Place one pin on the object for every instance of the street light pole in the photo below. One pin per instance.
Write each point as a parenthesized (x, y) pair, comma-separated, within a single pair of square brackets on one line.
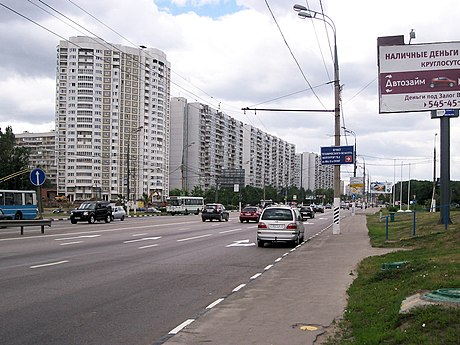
[(303, 13)]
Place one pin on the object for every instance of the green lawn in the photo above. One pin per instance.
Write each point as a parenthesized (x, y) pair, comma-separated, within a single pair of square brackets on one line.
[(432, 259)]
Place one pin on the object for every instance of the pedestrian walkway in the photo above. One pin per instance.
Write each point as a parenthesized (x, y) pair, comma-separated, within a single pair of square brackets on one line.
[(296, 301)]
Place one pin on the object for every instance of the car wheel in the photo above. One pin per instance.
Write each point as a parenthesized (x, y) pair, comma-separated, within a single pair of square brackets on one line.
[(220, 217), (18, 216), (73, 221), (108, 219), (226, 218), (92, 219), (260, 243), (242, 221), (122, 218), (203, 219)]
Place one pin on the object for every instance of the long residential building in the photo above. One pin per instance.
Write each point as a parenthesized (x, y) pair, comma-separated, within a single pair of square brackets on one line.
[(112, 120), (205, 143)]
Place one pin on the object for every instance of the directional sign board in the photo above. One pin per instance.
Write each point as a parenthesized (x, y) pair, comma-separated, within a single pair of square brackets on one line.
[(37, 177), (337, 155), (419, 77)]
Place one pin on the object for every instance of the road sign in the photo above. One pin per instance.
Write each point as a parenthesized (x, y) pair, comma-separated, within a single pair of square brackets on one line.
[(444, 113), (336, 155), (37, 177), (419, 77)]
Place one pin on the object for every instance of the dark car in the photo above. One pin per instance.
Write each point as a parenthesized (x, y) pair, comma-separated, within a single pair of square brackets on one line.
[(307, 212), (250, 213), (90, 211), (214, 211), (4, 216)]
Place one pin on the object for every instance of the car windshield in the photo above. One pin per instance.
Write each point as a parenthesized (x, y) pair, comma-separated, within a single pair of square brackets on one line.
[(87, 206), (250, 209), (277, 214)]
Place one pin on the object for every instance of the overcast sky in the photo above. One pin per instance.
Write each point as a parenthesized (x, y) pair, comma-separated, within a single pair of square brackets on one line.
[(246, 53)]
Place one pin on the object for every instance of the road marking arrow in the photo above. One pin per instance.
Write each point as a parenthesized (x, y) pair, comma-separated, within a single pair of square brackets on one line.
[(241, 243)]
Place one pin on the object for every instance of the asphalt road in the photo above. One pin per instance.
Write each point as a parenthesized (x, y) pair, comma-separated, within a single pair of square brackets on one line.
[(130, 282)]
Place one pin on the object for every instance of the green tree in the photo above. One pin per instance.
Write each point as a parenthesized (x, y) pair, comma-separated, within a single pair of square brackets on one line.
[(14, 159)]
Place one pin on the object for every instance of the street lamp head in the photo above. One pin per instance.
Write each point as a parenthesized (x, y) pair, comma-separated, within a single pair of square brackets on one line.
[(299, 8), (304, 15)]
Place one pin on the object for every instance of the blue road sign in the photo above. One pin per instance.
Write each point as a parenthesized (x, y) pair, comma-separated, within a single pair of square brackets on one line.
[(337, 155), (37, 177), (444, 113)]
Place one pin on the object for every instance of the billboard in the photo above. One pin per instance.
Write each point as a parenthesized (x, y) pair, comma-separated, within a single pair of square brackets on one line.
[(356, 186), (381, 187), (419, 77)]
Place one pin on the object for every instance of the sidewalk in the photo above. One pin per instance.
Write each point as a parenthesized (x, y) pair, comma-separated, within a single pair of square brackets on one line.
[(294, 302)]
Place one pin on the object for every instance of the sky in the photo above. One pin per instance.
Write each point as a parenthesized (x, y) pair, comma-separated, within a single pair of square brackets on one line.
[(235, 54)]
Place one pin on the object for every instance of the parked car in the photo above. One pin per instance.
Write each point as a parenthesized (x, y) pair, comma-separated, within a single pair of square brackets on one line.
[(4, 216), (280, 224), (214, 211), (90, 211), (118, 212), (250, 213), (307, 212), (58, 210), (328, 206)]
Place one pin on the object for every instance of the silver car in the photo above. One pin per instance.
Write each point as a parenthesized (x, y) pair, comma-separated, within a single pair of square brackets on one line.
[(280, 224), (118, 212)]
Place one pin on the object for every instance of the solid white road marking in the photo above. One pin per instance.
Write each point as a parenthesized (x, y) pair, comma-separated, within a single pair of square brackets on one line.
[(69, 243), (50, 264)]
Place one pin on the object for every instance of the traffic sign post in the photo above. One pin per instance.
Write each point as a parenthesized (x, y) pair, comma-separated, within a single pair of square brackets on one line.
[(37, 177)]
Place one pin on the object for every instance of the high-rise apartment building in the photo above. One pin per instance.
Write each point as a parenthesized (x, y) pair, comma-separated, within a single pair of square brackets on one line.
[(205, 141), (306, 170), (112, 120), (42, 152)]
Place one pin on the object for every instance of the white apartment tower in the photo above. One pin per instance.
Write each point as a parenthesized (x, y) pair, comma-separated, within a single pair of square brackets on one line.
[(205, 141), (112, 120)]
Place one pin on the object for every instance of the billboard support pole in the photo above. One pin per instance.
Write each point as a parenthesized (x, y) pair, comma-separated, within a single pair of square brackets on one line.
[(445, 170)]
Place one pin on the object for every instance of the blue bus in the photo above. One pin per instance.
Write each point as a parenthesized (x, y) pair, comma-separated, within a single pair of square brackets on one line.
[(21, 204)]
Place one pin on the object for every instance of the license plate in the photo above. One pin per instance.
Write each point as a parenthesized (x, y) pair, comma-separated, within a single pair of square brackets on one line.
[(277, 226)]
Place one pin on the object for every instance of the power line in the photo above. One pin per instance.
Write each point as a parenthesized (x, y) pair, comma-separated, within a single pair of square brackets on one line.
[(292, 54)]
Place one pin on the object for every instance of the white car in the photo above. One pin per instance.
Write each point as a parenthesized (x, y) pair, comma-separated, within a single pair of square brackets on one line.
[(118, 212), (280, 224)]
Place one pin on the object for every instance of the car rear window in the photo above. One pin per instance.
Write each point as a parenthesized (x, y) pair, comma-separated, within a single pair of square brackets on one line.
[(277, 214), (250, 209)]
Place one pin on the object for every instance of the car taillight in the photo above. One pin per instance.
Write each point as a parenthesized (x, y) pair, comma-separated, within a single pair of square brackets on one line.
[(262, 225), (292, 226)]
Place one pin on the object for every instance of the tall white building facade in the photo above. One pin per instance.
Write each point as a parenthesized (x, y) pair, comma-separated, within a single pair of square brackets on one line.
[(306, 170), (205, 141), (112, 120)]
